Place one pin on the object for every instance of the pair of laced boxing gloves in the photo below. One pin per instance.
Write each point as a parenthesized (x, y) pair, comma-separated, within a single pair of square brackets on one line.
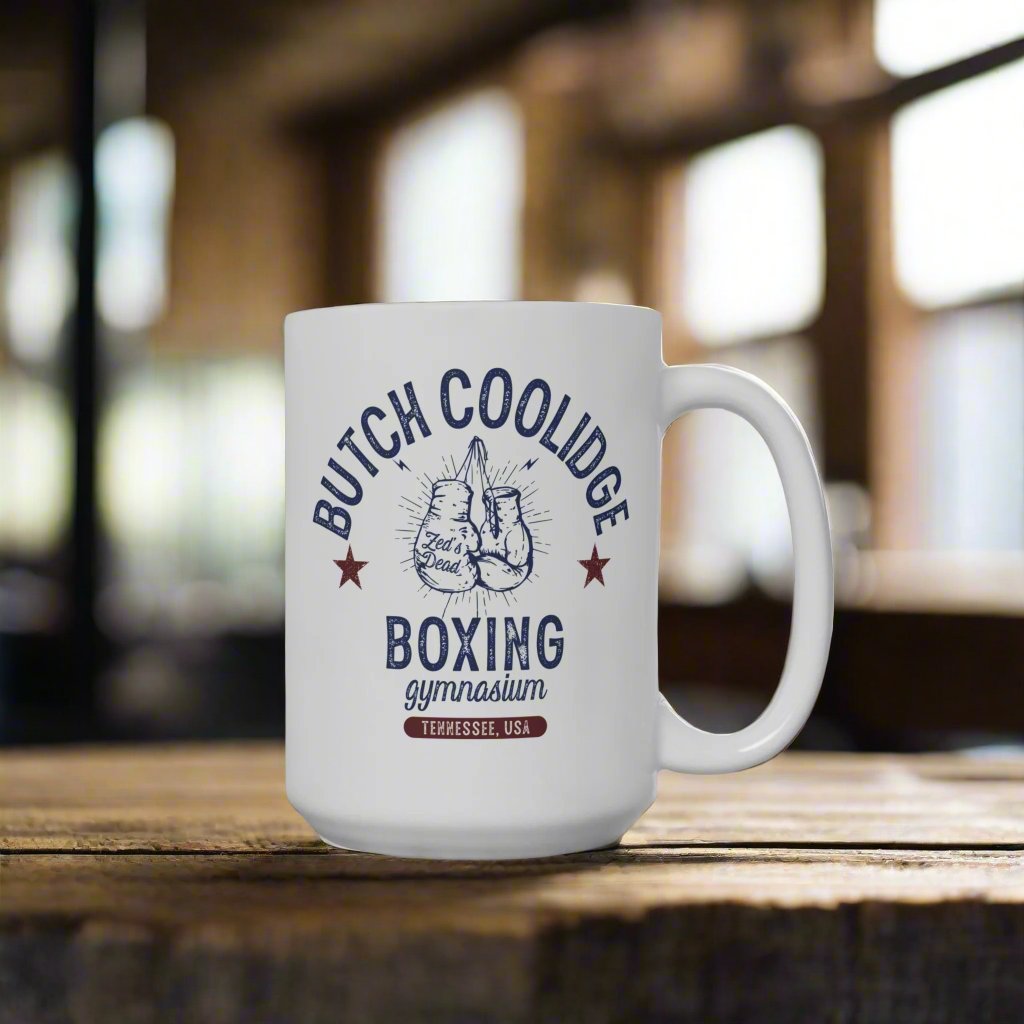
[(452, 555)]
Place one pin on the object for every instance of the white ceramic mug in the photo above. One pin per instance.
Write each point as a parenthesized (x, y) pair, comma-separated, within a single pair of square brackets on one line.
[(473, 497)]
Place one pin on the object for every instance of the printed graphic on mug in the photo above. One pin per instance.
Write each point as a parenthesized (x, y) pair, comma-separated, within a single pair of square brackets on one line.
[(476, 527), (470, 532)]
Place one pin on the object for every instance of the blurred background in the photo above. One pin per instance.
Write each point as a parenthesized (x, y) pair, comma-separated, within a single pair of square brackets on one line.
[(826, 193)]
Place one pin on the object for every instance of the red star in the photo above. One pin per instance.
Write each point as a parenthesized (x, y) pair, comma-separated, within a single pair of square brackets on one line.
[(595, 568), (350, 567)]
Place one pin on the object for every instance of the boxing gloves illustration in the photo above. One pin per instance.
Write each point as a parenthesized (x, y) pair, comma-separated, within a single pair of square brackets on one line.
[(452, 556), (447, 540), (506, 547)]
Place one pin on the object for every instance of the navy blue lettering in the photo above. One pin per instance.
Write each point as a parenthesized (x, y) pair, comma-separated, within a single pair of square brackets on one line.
[(406, 416), (556, 644), (598, 499), (519, 642), (327, 515), (466, 640), (528, 392), (602, 517), (385, 453), (442, 636), (596, 436), (446, 399), (485, 396), (399, 643)]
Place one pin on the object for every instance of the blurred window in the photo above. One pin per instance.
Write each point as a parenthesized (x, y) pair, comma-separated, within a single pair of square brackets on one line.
[(958, 172), (753, 246), (734, 522), (912, 36), (451, 203), (37, 275), (191, 491), (35, 465), (951, 527), (973, 430), (38, 267), (734, 526), (134, 183), (749, 278)]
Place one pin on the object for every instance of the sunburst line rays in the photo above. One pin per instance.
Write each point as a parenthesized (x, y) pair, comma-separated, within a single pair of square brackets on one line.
[(415, 508)]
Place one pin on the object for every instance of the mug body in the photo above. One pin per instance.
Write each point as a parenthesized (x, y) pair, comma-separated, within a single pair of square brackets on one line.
[(472, 554)]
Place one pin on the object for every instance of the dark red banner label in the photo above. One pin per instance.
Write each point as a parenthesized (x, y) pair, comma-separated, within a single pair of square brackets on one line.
[(528, 727)]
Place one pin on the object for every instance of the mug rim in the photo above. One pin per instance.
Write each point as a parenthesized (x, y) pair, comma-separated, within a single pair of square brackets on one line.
[(468, 302)]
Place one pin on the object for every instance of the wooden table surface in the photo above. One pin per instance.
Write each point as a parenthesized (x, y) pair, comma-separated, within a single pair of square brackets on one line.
[(176, 884)]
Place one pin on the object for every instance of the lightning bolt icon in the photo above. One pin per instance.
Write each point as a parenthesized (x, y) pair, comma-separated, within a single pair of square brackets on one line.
[(530, 464), (401, 465)]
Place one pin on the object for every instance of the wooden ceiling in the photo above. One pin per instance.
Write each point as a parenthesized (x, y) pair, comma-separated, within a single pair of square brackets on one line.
[(290, 57), (334, 56), (35, 46)]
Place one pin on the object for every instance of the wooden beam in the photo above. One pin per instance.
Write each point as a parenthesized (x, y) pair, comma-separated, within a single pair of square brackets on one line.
[(842, 331), (86, 368), (759, 109), (349, 236), (401, 87)]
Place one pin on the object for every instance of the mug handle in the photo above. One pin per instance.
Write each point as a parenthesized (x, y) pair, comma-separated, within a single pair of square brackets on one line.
[(683, 747)]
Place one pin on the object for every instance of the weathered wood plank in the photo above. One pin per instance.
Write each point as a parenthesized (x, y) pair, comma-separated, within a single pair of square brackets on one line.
[(344, 891), (231, 797), (168, 884), (631, 935)]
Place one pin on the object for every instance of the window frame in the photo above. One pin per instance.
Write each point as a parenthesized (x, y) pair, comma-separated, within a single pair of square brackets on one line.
[(868, 336)]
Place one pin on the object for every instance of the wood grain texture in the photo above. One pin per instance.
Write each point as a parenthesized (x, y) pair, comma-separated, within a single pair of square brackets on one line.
[(175, 883), (230, 797)]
